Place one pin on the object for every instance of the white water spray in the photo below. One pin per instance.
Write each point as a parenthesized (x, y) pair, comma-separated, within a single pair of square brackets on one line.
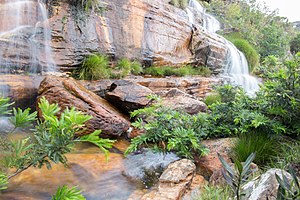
[(236, 70), (25, 37)]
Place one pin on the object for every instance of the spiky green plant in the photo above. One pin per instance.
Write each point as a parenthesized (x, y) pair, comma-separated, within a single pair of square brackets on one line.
[(288, 190), (237, 176), (95, 67)]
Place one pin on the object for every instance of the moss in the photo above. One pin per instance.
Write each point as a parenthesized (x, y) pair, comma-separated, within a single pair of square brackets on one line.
[(244, 46)]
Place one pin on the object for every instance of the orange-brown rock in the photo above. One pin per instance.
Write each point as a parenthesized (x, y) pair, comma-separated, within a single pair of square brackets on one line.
[(151, 31), (69, 93), (196, 86), (21, 89), (128, 96), (178, 100), (174, 181), (206, 165)]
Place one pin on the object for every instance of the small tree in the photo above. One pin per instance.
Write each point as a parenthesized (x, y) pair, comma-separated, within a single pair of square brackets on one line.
[(52, 138)]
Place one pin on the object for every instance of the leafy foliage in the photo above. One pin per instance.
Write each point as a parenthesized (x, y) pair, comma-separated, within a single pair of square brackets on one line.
[(169, 130), (279, 98), (4, 105), (52, 138), (287, 189), (212, 98), (236, 177), (258, 25), (3, 181), (65, 193), (295, 44)]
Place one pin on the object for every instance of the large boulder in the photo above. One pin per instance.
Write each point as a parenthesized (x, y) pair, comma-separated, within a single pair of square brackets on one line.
[(128, 96), (174, 181), (207, 165), (69, 93), (178, 100), (21, 89), (266, 186)]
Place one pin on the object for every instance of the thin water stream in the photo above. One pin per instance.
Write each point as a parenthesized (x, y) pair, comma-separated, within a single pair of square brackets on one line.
[(236, 70)]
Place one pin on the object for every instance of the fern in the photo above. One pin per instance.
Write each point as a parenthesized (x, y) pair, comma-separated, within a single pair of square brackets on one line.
[(4, 105), (21, 118), (65, 193)]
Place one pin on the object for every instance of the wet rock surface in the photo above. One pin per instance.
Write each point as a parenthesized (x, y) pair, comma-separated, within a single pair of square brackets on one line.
[(146, 166), (174, 181), (143, 30), (266, 186), (21, 89), (128, 96), (69, 93)]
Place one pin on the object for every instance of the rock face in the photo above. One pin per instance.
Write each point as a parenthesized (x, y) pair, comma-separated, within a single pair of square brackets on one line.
[(146, 166), (128, 96), (23, 90), (209, 164), (69, 93), (174, 181), (144, 30), (198, 87), (265, 187), (178, 100)]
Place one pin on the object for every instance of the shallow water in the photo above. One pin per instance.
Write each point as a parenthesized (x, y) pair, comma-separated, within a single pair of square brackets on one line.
[(88, 169)]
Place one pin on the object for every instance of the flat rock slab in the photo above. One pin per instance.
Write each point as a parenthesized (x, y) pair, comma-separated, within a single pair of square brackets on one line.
[(128, 96), (67, 92)]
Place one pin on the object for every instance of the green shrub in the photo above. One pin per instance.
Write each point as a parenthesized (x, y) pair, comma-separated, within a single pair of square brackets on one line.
[(264, 146), (136, 68), (212, 98), (52, 138), (288, 154), (168, 130), (124, 67), (154, 71), (295, 44), (214, 193), (177, 71), (203, 71), (94, 67)]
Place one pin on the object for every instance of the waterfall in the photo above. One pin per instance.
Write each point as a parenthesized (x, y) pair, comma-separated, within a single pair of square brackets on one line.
[(236, 70), (25, 37)]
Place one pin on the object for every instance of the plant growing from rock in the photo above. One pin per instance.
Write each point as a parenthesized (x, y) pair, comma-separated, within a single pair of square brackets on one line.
[(52, 138), (236, 177), (288, 190), (94, 67)]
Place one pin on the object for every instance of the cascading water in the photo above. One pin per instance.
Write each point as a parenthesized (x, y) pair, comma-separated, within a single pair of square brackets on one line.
[(236, 70), (24, 37)]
